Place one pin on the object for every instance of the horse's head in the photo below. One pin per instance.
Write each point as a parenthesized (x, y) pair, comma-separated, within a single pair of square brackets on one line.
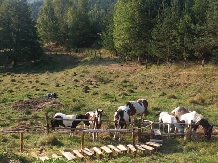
[(208, 128), (98, 114), (119, 118), (85, 119), (144, 102), (57, 121), (179, 111)]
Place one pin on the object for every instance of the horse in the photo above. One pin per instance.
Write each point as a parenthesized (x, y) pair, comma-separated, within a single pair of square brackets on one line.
[(178, 111), (60, 119), (95, 120), (137, 107), (121, 119), (198, 119), (170, 121)]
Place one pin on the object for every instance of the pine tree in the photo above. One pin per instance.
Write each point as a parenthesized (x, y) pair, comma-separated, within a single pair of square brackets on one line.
[(18, 32), (47, 23)]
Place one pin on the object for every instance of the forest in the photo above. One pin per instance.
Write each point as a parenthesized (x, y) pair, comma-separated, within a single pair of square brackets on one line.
[(148, 30)]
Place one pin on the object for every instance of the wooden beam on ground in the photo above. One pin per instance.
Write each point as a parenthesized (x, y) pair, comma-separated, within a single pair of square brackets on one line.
[(78, 154), (153, 144), (139, 147), (43, 158), (114, 148), (151, 149), (156, 141), (55, 156), (68, 155), (122, 148), (107, 150), (97, 151), (132, 149), (88, 152)]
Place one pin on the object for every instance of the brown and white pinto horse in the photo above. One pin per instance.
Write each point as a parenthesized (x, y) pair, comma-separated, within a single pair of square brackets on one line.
[(121, 119), (95, 120), (185, 116), (179, 111), (137, 107)]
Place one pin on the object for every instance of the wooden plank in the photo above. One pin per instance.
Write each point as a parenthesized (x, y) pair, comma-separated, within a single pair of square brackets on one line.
[(131, 148), (153, 144), (56, 156), (43, 158), (156, 141), (140, 147), (151, 149), (78, 154), (107, 150), (114, 148), (87, 151), (68, 155), (122, 148), (97, 150)]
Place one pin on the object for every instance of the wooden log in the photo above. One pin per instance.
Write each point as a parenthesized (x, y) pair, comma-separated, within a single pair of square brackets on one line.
[(140, 148), (87, 152), (151, 149), (43, 158), (69, 155), (107, 150), (97, 151), (55, 156), (153, 144), (78, 154), (21, 142), (156, 141), (132, 149), (122, 148), (114, 148)]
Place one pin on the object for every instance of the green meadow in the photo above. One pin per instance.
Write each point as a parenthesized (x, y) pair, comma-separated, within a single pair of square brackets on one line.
[(86, 82)]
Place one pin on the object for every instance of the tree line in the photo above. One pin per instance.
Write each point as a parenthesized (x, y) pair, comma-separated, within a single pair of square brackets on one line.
[(160, 30)]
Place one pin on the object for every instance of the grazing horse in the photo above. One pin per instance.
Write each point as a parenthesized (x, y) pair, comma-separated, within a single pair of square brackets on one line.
[(121, 119), (137, 107), (95, 120), (60, 119), (198, 119), (178, 111), (170, 121)]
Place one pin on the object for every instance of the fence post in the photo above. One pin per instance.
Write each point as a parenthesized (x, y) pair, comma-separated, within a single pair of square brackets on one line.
[(82, 141), (47, 123), (139, 130), (152, 127), (190, 130), (21, 142), (133, 137)]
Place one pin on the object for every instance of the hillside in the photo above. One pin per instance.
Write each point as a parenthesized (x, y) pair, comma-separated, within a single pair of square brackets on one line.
[(86, 82)]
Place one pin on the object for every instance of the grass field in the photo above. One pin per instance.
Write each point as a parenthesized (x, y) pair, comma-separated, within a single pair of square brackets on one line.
[(85, 82)]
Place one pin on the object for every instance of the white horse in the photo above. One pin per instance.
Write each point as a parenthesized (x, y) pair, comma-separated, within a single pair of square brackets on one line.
[(170, 121), (197, 119)]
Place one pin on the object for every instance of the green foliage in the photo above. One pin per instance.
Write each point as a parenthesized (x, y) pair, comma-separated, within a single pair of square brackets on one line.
[(19, 41)]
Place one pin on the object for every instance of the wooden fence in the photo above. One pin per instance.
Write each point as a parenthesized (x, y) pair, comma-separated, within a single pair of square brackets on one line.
[(144, 128)]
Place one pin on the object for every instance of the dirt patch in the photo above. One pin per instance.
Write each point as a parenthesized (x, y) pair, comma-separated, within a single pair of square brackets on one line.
[(36, 104)]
